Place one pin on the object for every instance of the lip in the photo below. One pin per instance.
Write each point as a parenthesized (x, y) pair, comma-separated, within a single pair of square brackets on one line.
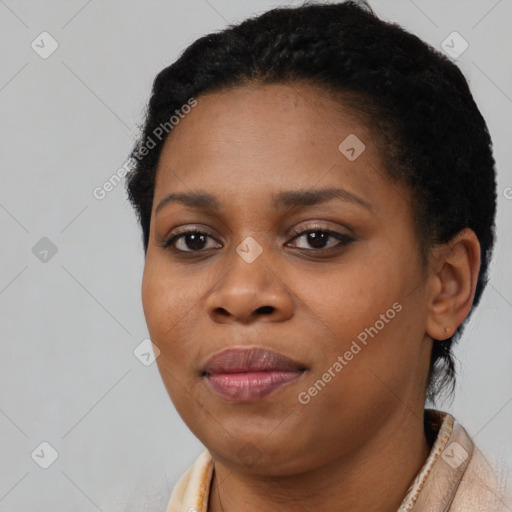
[(249, 374)]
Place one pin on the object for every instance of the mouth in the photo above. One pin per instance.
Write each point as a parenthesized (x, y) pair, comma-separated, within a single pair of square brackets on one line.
[(247, 375)]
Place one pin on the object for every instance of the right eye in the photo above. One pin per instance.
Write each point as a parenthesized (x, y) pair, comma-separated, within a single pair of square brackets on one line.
[(194, 239)]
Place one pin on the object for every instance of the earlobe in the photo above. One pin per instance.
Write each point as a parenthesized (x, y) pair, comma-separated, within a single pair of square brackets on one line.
[(453, 285)]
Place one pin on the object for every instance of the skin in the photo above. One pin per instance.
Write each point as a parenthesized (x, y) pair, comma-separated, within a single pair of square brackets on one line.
[(335, 452)]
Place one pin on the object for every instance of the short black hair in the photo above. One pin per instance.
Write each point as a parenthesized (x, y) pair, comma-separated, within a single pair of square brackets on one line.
[(431, 134)]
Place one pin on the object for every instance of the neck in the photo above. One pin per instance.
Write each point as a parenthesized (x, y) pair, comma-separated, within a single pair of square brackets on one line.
[(373, 479)]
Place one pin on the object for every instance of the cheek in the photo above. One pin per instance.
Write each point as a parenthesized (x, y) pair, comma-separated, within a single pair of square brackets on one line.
[(371, 320), (153, 301), (163, 302), (352, 297), (165, 311), (382, 358)]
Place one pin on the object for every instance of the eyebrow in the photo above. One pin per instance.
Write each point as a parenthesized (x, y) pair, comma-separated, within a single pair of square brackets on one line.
[(288, 199)]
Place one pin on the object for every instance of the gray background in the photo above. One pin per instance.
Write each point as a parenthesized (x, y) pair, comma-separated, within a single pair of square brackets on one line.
[(70, 324)]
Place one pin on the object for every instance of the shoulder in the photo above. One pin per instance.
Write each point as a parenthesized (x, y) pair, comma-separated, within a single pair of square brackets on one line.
[(463, 478), (483, 486), (456, 476), (191, 491)]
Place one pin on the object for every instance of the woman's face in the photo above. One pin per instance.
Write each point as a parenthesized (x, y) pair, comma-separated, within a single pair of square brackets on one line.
[(350, 306)]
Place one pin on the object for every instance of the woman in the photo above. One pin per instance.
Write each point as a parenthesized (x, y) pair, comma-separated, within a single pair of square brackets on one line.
[(316, 237)]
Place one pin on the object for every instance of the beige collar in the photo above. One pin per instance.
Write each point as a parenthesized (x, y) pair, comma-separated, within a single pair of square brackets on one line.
[(433, 489), (448, 459)]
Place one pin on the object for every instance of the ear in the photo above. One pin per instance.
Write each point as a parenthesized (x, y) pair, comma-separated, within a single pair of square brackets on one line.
[(452, 284)]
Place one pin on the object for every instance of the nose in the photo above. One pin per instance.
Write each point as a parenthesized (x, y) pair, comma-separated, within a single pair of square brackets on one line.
[(250, 292)]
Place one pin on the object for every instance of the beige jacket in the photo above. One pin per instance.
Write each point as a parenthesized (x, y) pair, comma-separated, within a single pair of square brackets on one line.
[(456, 477)]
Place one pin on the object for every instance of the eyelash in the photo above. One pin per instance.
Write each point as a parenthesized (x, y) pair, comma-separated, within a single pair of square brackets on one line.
[(343, 239)]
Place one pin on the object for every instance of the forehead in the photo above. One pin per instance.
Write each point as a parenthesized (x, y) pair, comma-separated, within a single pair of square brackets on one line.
[(260, 139)]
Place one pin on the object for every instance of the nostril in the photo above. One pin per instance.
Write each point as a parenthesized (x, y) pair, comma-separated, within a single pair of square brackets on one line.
[(265, 309)]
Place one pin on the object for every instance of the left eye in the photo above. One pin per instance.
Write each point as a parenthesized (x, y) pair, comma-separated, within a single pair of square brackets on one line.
[(319, 237)]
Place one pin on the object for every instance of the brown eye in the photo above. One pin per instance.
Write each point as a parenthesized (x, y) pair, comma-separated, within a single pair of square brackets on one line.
[(191, 241), (318, 239)]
